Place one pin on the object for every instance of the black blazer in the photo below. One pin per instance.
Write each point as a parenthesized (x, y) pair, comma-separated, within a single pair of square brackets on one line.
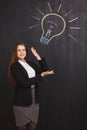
[(23, 96)]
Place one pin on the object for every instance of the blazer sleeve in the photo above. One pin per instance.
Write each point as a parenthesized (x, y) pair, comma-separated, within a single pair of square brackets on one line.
[(41, 67), (21, 77), (43, 64)]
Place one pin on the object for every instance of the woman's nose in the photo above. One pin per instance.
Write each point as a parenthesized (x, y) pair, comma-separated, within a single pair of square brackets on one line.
[(21, 51)]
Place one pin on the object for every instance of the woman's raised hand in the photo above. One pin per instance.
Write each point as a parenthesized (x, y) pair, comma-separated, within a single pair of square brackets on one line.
[(35, 53)]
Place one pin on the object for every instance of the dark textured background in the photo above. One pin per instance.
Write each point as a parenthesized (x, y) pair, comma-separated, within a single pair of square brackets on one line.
[(63, 97)]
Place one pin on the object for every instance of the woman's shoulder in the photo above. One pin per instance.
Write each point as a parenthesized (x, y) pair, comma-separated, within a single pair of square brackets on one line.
[(30, 62), (15, 64)]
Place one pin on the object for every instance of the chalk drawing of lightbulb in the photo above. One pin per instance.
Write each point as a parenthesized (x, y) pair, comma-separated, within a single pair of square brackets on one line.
[(52, 25)]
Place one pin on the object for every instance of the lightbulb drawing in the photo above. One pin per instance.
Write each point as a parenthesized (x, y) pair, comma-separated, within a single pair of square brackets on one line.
[(54, 24)]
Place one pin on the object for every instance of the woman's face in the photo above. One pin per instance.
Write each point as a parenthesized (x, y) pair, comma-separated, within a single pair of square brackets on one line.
[(21, 52)]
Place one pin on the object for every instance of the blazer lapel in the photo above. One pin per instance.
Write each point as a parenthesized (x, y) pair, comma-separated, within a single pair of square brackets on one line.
[(22, 69)]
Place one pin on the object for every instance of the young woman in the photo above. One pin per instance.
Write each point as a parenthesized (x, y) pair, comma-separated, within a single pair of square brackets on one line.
[(26, 75)]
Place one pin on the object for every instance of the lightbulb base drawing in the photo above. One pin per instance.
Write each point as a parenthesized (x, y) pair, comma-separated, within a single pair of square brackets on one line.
[(44, 40)]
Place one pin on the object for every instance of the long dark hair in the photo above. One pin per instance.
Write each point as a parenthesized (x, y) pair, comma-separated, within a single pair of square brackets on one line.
[(14, 59)]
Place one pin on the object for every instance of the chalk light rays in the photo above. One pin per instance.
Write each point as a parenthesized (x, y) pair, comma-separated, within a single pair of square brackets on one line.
[(72, 28), (33, 26), (74, 39), (65, 15), (59, 8), (70, 21), (68, 13), (75, 28), (38, 19), (50, 7)]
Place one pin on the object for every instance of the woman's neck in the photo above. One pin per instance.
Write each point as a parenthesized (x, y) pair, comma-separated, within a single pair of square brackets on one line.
[(22, 60)]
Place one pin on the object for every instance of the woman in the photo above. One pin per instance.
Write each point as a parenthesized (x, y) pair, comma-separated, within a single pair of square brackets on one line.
[(26, 75)]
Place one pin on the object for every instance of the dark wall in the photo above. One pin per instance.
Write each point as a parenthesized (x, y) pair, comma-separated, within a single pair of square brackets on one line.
[(63, 96)]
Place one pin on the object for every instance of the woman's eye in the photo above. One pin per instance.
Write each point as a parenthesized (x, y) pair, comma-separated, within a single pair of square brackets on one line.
[(20, 50)]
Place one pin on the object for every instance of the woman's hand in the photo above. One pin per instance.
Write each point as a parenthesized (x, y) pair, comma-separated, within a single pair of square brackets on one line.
[(35, 53), (47, 73)]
